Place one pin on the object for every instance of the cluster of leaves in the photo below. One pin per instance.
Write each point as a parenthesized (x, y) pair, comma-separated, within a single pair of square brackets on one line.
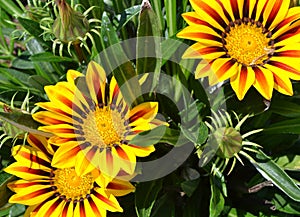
[(28, 63)]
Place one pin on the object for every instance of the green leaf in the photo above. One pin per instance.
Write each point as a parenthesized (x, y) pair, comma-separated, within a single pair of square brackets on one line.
[(148, 47), (10, 7), (114, 59), (160, 134), (128, 14), (44, 69), (22, 64), (164, 206), (34, 29), (190, 186), (217, 201), (5, 178), (20, 119), (239, 213), (49, 57), (285, 205), (145, 197), (285, 108), (15, 76), (289, 162), (271, 171), (171, 8), (284, 127)]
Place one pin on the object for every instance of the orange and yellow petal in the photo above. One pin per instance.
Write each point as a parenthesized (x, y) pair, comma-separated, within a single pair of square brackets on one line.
[(223, 69), (275, 12), (242, 81), (202, 34), (211, 12), (96, 81), (65, 156), (264, 82), (32, 195), (143, 113), (119, 187)]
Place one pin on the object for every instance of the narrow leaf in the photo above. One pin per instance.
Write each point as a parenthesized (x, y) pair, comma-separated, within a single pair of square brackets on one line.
[(284, 127), (145, 196), (20, 119), (217, 201), (161, 134), (272, 172)]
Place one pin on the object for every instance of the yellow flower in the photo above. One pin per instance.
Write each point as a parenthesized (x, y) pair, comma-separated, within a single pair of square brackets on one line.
[(252, 42), (50, 191), (93, 125)]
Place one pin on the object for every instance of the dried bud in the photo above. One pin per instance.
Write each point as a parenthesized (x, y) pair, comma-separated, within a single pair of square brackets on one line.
[(70, 24)]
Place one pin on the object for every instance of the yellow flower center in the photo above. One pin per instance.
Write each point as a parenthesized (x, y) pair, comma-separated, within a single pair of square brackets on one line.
[(104, 127), (71, 185), (247, 44)]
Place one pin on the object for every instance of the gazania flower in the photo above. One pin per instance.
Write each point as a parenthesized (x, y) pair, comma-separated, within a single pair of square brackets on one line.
[(49, 191), (252, 42), (93, 125), (226, 143)]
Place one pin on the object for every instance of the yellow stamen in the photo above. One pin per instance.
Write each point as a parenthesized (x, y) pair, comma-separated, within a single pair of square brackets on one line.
[(71, 185), (104, 127), (247, 44)]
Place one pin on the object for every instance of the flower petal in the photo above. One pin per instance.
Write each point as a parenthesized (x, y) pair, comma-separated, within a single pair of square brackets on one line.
[(264, 82), (120, 187), (143, 113), (275, 12), (211, 12), (200, 51), (223, 69), (96, 81), (202, 34), (242, 81)]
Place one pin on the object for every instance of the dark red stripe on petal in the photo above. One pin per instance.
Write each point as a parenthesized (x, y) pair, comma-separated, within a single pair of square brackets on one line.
[(82, 209), (91, 153), (211, 12), (84, 145), (243, 77), (117, 186), (288, 53), (235, 9), (273, 13), (53, 207), (261, 17), (34, 158), (35, 194), (288, 34), (137, 115), (285, 22), (281, 83), (104, 199), (31, 171), (208, 50), (225, 67), (29, 184), (253, 15), (121, 153), (246, 8), (284, 67), (225, 11), (260, 78), (203, 36), (65, 210), (39, 144), (94, 207)]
